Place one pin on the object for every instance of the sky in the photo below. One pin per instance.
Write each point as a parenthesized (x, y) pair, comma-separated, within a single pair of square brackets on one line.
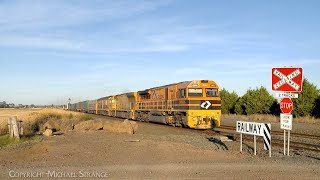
[(51, 51)]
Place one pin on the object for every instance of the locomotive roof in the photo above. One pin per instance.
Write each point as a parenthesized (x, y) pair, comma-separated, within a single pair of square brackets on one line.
[(146, 90)]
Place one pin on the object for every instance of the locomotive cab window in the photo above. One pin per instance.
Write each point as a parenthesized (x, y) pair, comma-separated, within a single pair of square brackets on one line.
[(182, 93), (211, 92), (195, 92)]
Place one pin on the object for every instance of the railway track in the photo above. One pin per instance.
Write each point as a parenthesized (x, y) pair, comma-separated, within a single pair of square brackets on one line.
[(279, 142)]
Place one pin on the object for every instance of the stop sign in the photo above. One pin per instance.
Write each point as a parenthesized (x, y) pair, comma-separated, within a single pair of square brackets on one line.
[(286, 105)]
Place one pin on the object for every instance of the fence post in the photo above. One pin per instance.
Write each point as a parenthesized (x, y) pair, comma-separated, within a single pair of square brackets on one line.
[(9, 125), (20, 128), (15, 130)]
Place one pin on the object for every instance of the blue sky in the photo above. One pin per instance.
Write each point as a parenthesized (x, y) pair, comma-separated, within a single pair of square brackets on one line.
[(53, 50)]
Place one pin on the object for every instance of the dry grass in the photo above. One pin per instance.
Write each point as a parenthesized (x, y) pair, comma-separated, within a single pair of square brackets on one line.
[(33, 119), (269, 118), (7, 112)]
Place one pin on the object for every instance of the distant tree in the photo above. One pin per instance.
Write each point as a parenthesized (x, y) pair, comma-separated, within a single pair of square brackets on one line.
[(3, 104), (228, 101), (316, 109), (275, 108), (239, 107), (255, 101), (305, 104)]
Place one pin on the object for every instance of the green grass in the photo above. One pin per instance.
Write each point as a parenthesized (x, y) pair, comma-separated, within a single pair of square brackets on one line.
[(5, 140)]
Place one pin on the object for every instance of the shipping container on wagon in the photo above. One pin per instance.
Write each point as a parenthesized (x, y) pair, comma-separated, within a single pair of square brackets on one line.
[(92, 106), (78, 108), (84, 107), (72, 107)]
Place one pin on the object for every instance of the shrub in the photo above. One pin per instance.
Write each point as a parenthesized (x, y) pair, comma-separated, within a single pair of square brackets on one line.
[(255, 101), (228, 101), (306, 104), (239, 107), (275, 108), (316, 109)]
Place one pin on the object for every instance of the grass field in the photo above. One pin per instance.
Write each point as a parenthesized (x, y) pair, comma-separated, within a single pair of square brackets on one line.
[(33, 119)]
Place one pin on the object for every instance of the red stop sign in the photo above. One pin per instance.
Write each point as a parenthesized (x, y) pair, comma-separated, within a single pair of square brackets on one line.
[(286, 105)]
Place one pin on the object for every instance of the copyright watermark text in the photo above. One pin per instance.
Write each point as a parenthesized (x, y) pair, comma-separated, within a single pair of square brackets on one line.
[(57, 174)]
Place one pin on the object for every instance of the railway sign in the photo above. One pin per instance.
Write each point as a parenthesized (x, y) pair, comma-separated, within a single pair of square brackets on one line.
[(286, 105), (286, 121), (255, 129), (250, 128), (286, 95), (287, 79)]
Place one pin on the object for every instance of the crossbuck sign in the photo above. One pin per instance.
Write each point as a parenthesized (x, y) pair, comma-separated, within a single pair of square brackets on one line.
[(287, 79)]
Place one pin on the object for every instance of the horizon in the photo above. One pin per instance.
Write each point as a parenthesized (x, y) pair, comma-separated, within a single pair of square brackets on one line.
[(53, 51)]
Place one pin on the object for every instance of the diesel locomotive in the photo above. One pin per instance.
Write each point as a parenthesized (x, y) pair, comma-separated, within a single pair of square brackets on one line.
[(195, 104)]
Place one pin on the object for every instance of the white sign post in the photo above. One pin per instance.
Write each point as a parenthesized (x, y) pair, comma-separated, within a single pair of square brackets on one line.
[(286, 125), (255, 129)]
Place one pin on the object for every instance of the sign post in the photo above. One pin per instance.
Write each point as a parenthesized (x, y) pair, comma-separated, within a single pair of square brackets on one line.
[(255, 129), (284, 142), (286, 125), (288, 154), (289, 82)]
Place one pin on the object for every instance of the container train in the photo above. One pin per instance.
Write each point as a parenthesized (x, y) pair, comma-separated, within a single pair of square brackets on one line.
[(194, 104)]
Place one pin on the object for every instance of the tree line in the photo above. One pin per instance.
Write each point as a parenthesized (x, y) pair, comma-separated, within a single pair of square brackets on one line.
[(259, 101)]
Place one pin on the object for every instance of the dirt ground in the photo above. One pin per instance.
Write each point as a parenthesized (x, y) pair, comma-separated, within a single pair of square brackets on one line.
[(155, 152)]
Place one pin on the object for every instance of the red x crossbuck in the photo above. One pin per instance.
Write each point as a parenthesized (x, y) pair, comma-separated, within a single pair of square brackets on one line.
[(287, 79)]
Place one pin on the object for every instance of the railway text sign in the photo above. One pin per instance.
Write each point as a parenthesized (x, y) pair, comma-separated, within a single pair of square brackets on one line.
[(251, 128), (286, 121), (288, 79), (255, 129), (286, 105), (286, 95)]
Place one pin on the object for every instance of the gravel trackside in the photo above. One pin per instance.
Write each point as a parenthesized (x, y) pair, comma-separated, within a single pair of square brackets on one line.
[(154, 152)]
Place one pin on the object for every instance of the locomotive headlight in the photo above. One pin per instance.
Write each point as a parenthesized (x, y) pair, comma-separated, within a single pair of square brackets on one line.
[(194, 85)]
